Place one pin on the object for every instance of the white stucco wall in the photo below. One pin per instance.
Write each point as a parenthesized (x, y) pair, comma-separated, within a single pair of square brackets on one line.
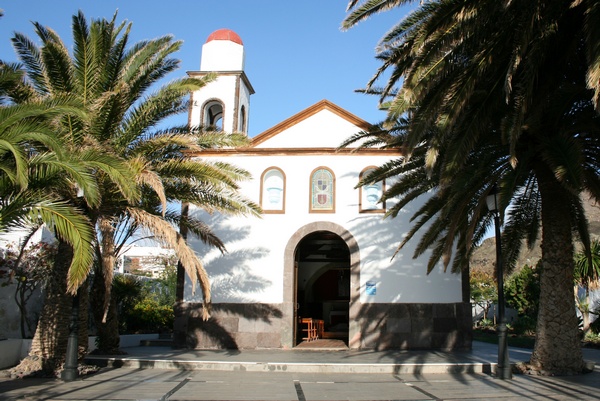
[(244, 101), (15, 236), (323, 129), (222, 88), (252, 270), (222, 55)]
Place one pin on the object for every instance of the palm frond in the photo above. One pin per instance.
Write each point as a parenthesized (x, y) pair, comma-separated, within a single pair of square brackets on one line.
[(367, 9), (71, 227), (30, 56)]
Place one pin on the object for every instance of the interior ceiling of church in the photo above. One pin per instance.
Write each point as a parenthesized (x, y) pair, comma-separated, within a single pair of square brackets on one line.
[(323, 247)]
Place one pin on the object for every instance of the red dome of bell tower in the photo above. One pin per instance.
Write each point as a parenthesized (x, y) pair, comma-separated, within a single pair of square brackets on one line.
[(225, 34)]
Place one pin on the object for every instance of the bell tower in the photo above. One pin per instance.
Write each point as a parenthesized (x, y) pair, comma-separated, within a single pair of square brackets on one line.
[(223, 103)]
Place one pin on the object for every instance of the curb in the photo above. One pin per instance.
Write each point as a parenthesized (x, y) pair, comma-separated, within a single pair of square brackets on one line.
[(138, 363)]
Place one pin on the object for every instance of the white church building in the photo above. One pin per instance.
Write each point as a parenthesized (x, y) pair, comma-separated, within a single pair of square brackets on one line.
[(321, 254)]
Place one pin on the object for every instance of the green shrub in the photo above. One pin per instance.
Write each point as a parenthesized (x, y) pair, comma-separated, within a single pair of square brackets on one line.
[(524, 325), (522, 291), (595, 326), (144, 305), (149, 316), (483, 291), (593, 338)]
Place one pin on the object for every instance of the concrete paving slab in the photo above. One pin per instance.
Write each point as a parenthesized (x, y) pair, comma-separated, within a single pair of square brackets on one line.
[(520, 387), (360, 391), (226, 390), (117, 391), (178, 383), (166, 385)]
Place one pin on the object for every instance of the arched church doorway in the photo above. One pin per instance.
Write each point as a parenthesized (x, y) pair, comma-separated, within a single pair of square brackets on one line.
[(322, 286)]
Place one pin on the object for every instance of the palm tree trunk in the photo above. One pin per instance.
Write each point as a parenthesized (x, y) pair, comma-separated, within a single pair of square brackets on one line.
[(108, 340), (585, 311), (557, 347), (105, 307), (49, 344)]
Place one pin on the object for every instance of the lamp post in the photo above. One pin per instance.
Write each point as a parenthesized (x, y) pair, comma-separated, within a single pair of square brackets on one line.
[(70, 371), (503, 370)]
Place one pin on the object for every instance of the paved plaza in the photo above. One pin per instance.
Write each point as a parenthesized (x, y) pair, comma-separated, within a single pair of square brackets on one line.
[(285, 375)]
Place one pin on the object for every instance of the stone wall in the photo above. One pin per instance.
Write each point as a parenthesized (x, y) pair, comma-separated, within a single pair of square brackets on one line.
[(376, 326), (413, 326), (231, 326)]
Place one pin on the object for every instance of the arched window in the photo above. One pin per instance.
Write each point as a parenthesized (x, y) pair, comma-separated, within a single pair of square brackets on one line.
[(243, 119), (369, 195), (213, 114), (272, 191), (322, 191)]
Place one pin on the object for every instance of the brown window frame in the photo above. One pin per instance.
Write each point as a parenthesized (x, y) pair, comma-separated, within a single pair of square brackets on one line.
[(262, 182), (380, 209)]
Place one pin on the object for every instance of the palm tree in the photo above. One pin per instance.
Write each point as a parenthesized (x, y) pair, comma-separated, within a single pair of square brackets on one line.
[(34, 170), (209, 186), (587, 276), (33, 165), (487, 105), (113, 82)]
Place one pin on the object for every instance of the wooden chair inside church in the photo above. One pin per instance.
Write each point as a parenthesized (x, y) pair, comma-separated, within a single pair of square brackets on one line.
[(320, 327), (308, 328), (312, 329)]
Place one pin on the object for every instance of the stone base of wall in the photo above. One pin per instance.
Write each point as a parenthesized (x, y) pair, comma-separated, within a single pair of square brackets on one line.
[(412, 326), (231, 326), (372, 326)]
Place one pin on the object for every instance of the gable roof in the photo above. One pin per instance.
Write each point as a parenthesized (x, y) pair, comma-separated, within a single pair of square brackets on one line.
[(316, 130), (305, 115)]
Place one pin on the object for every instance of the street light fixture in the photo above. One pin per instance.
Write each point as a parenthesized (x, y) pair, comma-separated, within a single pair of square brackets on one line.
[(503, 370)]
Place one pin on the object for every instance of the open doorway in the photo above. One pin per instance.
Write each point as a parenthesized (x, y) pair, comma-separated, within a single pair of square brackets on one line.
[(322, 285)]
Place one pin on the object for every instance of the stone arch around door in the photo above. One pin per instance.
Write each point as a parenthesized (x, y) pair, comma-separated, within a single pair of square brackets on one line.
[(289, 282)]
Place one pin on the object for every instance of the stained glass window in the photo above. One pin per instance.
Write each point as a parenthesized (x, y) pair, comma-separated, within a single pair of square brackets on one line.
[(322, 190)]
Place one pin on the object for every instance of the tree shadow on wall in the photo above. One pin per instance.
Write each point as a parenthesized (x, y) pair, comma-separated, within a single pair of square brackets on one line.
[(235, 285), (216, 331), (232, 277), (409, 334)]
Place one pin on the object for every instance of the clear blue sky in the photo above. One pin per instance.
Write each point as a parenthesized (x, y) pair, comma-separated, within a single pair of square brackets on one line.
[(296, 53)]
